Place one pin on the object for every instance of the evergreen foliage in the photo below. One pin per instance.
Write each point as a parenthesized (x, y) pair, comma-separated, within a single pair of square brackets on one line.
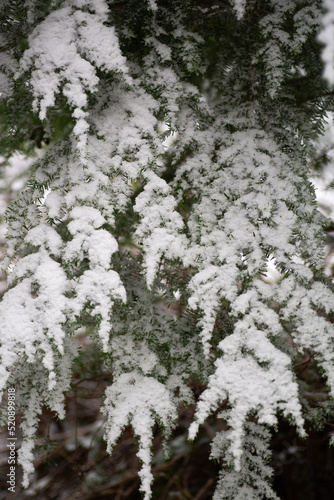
[(177, 137)]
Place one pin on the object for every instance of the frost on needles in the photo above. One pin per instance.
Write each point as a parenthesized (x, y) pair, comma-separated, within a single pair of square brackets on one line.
[(201, 216)]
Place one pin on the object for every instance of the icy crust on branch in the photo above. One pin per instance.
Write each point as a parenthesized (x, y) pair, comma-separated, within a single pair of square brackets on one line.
[(141, 401), (251, 481), (64, 52)]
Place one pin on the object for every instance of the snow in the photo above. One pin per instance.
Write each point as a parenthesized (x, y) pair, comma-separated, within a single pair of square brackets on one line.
[(65, 51), (25, 327), (140, 400), (239, 6), (235, 199), (97, 288), (326, 37), (248, 386)]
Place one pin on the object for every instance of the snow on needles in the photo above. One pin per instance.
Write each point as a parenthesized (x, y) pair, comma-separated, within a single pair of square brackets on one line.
[(230, 190), (64, 52), (138, 400)]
